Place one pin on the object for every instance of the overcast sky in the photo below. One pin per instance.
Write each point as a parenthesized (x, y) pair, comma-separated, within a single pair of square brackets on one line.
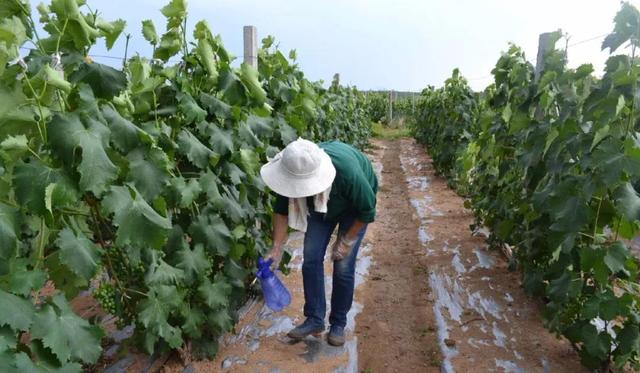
[(388, 44)]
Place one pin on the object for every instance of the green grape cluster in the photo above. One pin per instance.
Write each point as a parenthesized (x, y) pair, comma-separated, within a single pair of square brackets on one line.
[(106, 296), (122, 264)]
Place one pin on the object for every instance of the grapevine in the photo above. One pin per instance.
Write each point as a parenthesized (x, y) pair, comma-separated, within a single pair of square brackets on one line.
[(145, 177), (550, 165)]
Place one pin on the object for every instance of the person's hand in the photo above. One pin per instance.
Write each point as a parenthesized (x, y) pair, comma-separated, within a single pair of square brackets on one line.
[(342, 247), (276, 254)]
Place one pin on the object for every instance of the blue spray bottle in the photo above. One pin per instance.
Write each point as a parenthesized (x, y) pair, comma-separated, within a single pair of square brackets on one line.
[(276, 295)]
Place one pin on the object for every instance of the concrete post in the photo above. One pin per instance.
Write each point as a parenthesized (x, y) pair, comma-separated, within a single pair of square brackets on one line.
[(545, 44), (390, 108), (251, 46)]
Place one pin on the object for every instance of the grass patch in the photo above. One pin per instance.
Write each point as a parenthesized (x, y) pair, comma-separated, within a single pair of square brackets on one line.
[(383, 132)]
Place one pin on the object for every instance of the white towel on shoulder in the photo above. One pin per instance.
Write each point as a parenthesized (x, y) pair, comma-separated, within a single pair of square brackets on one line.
[(298, 209)]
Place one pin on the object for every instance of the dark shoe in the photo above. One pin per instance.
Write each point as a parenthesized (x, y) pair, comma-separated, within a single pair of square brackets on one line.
[(305, 329), (336, 336)]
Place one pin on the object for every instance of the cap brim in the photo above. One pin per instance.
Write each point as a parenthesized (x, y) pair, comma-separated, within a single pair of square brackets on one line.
[(282, 182)]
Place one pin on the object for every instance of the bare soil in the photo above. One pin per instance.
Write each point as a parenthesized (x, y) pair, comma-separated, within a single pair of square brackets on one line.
[(396, 331)]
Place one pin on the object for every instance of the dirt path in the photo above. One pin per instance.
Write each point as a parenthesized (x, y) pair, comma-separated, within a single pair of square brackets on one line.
[(485, 323), (429, 296), (396, 331)]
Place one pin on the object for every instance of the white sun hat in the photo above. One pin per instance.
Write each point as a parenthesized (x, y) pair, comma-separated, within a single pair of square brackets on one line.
[(302, 169)]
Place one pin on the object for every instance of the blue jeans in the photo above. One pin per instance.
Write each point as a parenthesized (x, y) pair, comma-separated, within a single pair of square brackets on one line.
[(315, 245)]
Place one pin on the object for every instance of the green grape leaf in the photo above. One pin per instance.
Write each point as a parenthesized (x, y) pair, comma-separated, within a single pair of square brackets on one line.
[(8, 361), (85, 100), (216, 294), (13, 143), (170, 44), (8, 339), (239, 231), (44, 361), (23, 280), (250, 78), (591, 258), (15, 312), (67, 132), (231, 87), (14, 8), (558, 288), (9, 228), (191, 110), (161, 273), (63, 278), (78, 253), (221, 141), (175, 9), (81, 33), (229, 206), (169, 295), (207, 58), (12, 35), (148, 171), (153, 313), (612, 163), (591, 308), (629, 339), (286, 132), (67, 335), (193, 320), (260, 126), (202, 31), (216, 107), (220, 320), (211, 231), (60, 193), (194, 262), (236, 175), (16, 115), (237, 251), (616, 257), (125, 134), (138, 224), (249, 161), (105, 81), (111, 30), (247, 136), (506, 113), (187, 191), (570, 213), (149, 31), (628, 201), (235, 273), (197, 153), (551, 137), (597, 344), (12, 30), (626, 24), (610, 307), (31, 181), (600, 135), (209, 183)]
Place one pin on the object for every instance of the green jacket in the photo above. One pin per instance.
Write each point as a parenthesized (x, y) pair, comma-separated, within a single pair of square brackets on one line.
[(353, 190)]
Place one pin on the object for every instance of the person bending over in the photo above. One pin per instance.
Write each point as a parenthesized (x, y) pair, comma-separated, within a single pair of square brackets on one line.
[(318, 188)]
